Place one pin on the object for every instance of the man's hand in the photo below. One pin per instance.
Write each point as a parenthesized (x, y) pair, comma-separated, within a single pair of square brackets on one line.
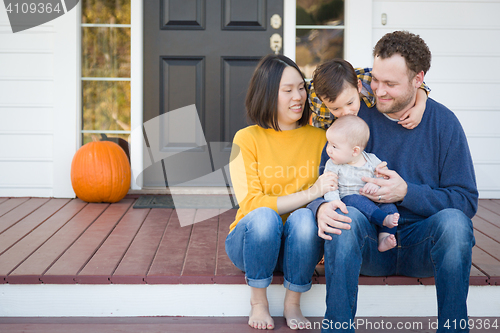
[(329, 221), (392, 189)]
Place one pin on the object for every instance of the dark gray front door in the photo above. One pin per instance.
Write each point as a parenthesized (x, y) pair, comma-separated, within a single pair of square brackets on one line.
[(201, 52)]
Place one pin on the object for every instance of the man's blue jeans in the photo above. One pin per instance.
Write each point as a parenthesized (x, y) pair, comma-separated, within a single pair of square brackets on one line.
[(439, 246), (260, 244)]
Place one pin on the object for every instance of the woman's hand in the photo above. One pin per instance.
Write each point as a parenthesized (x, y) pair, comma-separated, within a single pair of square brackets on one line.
[(325, 183)]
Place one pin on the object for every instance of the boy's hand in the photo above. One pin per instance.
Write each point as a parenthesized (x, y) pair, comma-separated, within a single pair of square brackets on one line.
[(413, 116)]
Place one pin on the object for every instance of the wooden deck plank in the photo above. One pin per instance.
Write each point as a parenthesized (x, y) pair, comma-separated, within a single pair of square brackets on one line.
[(10, 204), (169, 259), (137, 261), (214, 324), (104, 262), (226, 272), (488, 245), (486, 264), (199, 266), (144, 325), (32, 269), (488, 211), (3, 200), (20, 212), (16, 254), (487, 228), (29, 223), (491, 204), (65, 269)]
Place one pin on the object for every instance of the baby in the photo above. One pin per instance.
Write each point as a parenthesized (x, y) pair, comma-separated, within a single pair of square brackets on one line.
[(347, 138)]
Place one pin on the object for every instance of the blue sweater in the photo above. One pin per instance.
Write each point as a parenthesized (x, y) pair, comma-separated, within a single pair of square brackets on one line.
[(434, 160)]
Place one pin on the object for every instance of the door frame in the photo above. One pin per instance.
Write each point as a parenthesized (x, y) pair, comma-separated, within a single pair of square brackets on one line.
[(357, 50)]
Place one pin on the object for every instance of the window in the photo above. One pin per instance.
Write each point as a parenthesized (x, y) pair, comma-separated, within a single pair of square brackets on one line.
[(319, 33), (106, 51)]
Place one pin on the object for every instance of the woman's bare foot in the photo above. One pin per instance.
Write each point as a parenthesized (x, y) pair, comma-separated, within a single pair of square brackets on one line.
[(260, 318), (391, 220), (386, 241), (292, 313)]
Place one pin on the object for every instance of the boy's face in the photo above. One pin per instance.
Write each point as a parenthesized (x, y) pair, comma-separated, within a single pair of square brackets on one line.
[(338, 149), (347, 102)]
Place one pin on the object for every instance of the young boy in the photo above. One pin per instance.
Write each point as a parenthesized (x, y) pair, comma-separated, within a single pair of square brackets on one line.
[(347, 138), (330, 81)]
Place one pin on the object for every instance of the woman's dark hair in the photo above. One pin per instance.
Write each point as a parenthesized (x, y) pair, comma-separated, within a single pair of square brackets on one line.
[(262, 97), (330, 78)]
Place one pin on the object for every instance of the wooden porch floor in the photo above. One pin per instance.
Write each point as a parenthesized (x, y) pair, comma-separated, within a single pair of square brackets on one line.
[(201, 324), (68, 241)]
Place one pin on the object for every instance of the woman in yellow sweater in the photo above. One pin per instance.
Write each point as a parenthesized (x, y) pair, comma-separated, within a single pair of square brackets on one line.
[(274, 172)]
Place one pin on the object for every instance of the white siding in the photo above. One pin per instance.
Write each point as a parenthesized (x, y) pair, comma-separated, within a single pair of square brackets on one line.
[(463, 37), (38, 71)]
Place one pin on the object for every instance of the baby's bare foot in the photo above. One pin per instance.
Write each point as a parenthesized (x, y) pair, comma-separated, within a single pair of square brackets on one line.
[(391, 220), (260, 318), (386, 243)]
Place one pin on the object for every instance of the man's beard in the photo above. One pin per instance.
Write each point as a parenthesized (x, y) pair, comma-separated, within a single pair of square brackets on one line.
[(398, 104)]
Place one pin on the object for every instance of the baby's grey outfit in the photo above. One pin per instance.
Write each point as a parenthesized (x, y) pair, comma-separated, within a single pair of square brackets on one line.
[(350, 176)]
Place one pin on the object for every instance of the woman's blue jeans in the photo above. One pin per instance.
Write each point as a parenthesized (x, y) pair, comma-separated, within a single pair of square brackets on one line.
[(439, 246), (260, 244)]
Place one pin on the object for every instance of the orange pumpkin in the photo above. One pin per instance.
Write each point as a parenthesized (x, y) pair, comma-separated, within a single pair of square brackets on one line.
[(100, 172)]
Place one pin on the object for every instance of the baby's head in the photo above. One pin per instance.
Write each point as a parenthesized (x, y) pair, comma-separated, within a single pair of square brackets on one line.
[(338, 87), (347, 138)]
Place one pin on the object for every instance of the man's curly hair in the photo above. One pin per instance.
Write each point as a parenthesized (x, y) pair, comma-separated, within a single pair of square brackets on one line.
[(413, 48)]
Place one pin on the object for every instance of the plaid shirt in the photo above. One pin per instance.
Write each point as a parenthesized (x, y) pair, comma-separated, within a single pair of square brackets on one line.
[(321, 116)]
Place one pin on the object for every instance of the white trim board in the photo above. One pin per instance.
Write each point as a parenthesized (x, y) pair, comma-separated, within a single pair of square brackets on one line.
[(220, 300), (67, 107), (136, 87)]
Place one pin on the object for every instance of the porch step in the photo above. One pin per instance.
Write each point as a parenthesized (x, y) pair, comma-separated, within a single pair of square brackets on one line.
[(215, 325), (225, 300), (64, 257)]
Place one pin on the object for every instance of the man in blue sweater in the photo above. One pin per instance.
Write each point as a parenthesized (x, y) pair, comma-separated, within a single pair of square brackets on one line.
[(431, 180)]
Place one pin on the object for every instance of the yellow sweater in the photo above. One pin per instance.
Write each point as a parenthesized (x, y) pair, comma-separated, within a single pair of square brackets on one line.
[(266, 164)]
